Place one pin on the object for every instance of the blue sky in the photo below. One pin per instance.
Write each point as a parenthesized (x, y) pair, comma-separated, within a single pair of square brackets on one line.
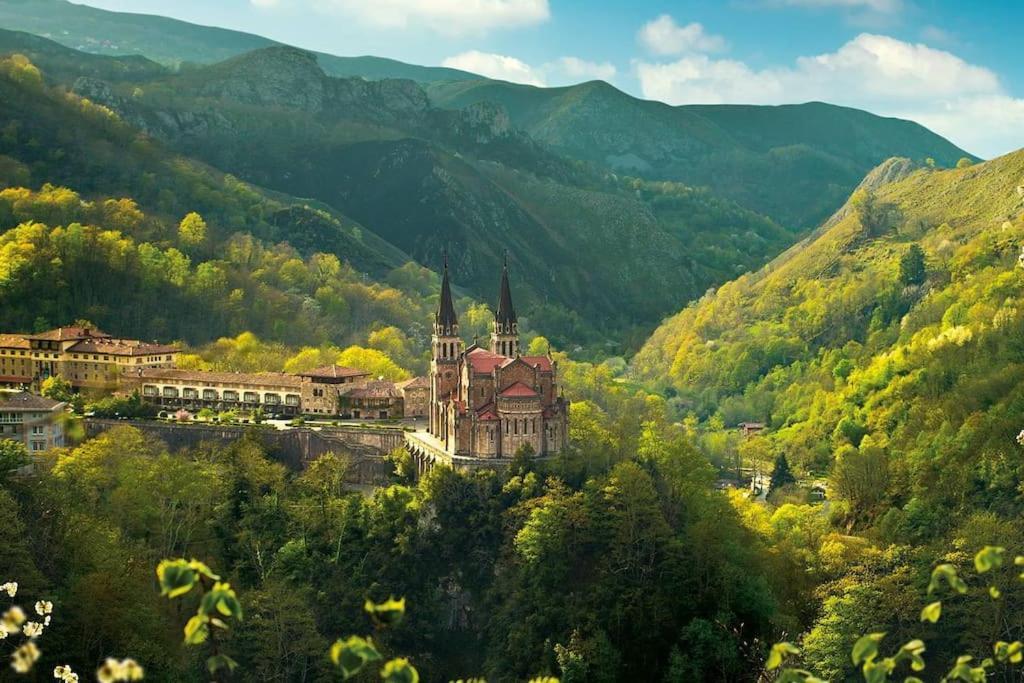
[(953, 66)]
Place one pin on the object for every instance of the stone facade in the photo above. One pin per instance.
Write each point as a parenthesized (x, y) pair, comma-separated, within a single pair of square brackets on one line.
[(33, 420), (494, 402), (416, 396), (87, 358)]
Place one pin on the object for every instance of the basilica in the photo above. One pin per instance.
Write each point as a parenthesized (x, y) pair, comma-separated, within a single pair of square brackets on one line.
[(492, 402)]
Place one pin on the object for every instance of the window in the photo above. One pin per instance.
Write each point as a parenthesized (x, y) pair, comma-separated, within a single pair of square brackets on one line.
[(230, 395), (252, 397), (38, 430), (209, 394), (170, 392), (38, 446), (189, 392), (149, 390)]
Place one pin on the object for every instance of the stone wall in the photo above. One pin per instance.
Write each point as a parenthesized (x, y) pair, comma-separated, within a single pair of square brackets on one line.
[(295, 448)]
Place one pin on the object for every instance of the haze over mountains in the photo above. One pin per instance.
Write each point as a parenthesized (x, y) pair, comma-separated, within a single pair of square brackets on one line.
[(617, 210)]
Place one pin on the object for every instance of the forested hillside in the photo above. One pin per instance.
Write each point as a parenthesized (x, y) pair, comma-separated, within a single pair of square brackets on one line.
[(884, 355), (597, 258), (118, 254)]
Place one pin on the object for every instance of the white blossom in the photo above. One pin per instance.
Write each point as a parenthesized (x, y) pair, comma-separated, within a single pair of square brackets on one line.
[(11, 587), (44, 607), (32, 629), (1020, 437), (4, 632), (13, 618), (65, 674), (123, 670), (24, 657)]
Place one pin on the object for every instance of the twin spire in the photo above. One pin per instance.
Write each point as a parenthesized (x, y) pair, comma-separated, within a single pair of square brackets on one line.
[(446, 321)]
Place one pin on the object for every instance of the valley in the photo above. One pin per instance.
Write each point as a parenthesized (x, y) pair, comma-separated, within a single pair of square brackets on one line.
[(318, 366)]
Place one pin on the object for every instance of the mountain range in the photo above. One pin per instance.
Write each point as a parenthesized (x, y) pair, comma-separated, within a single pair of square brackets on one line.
[(615, 211)]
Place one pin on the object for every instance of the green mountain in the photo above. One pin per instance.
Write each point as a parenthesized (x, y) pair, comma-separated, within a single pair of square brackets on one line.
[(89, 212), (595, 256), (892, 335), (794, 163), (173, 42)]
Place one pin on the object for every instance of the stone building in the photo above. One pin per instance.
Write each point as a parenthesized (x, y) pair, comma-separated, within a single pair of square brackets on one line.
[(276, 393), (85, 357), (376, 400), (416, 396), (322, 388), (31, 419), (492, 402)]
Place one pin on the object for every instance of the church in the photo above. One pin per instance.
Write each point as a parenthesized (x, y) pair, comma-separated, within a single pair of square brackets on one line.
[(492, 402)]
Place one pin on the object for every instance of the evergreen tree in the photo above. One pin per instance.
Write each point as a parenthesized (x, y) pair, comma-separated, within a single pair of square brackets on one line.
[(781, 474), (912, 268)]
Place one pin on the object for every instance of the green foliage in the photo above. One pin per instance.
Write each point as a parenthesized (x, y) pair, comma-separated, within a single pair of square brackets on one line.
[(177, 578), (57, 388), (192, 231), (13, 455)]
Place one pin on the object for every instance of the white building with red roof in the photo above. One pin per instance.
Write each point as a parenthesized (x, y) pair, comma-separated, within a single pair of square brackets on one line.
[(492, 402)]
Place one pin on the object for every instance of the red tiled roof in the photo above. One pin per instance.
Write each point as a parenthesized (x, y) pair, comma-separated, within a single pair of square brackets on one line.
[(415, 383), (484, 362), (486, 412), (69, 333), (120, 347), (14, 341), (518, 390), (14, 379), (334, 372), (200, 377), (543, 361)]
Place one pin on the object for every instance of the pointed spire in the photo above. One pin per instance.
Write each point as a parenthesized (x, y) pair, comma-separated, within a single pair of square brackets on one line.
[(506, 315), (445, 319)]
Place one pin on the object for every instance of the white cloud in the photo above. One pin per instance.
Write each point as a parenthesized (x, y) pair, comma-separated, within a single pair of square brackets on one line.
[(574, 70), (451, 17), (962, 101), (663, 36), (497, 66), (265, 3), (562, 71)]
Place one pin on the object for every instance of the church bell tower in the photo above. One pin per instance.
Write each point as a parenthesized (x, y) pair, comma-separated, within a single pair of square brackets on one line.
[(446, 349), (505, 331)]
